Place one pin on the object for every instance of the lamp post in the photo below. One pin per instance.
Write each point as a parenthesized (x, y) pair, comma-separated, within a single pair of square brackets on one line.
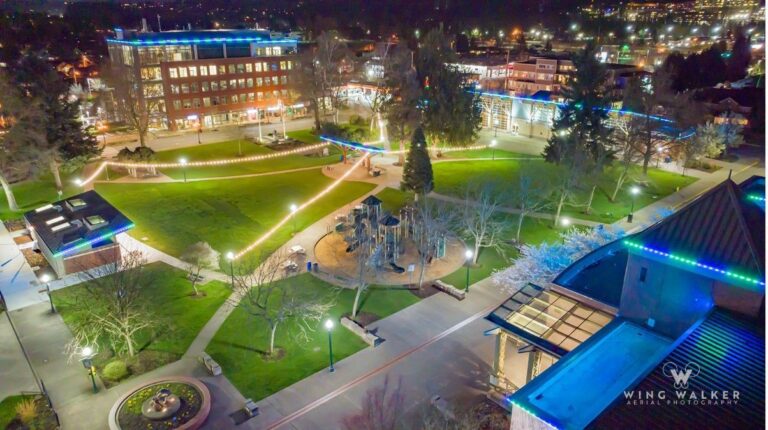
[(493, 149), (231, 258), (103, 130), (183, 162), (468, 254), (294, 208), (329, 327), (282, 115), (87, 354), (46, 279), (199, 133), (634, 191)]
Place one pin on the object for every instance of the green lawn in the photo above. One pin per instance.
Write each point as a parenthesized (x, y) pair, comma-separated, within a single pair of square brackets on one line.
[(306, 136), (181, 316), (228, 214), (486, 153), (229, 150), (393, 199), (35, 193), (451, 178), (238, 345)]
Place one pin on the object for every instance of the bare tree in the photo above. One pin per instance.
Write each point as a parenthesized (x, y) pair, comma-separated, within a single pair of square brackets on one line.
[(626, 138), (482, 204), (382, 409), (264, 296), (530, 195), (368, 255), (113, 306), (134, 105), (435, 221), (199, 256)]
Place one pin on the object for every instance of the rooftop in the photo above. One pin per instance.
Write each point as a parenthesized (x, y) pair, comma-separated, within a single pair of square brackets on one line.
[(548, 319), (720, 228), (79, 222), (729, 352), (183, 37)]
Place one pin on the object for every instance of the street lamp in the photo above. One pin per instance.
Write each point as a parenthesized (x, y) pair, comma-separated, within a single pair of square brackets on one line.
[(565, 222), (493, 149), (183, 162), (294, 208), (46, 279), (634, 191), (468, 254), (231, 258), (78, 182), (329, 327), (87, 354)]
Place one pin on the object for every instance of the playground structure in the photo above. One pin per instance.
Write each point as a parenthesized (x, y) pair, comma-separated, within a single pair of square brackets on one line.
[(387, 243)]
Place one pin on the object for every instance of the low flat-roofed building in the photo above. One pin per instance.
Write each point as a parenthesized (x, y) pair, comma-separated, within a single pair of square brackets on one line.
[(77, 233), (686, 299)]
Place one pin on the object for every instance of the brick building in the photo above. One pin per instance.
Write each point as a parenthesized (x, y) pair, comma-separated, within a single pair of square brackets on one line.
[(206, 78)]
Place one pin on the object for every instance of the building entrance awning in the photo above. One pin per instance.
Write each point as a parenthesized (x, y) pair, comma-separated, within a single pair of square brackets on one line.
[(548, 320)]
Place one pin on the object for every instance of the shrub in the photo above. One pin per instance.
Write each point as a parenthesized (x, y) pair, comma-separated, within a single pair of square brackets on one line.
[(27, 410), (357, 120), (115, 370)]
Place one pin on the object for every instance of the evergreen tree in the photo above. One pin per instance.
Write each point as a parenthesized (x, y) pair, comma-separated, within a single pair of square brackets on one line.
[(580, 138), (417, 172), (70, 145), (740, 58)]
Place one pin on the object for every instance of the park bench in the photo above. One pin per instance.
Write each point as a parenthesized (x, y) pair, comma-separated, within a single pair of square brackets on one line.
[(195, 278), (250, 408), (211, 365), (289, 266), (368, 337), (449, 289)]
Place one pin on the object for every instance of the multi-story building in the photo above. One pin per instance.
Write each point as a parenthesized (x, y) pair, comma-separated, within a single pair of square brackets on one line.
[(552, 73), (206, 78)]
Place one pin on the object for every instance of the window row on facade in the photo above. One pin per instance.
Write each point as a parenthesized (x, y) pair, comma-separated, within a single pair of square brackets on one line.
[(223, 85), (222, 69), (229, 99)]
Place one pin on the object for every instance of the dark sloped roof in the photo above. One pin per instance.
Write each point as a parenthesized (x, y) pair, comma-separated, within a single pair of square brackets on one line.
[(746, 97), (730, 352), (389, 221), (372, 201), (719, 227), (76, 222)]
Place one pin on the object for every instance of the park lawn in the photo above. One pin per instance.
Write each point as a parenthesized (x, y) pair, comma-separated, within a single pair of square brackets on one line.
[(486, 153), (239, 344), (451, 178), (306, 136), (180, 316), (228, 214), (229, 150), (34, 193), (534, 231), (392, 199)]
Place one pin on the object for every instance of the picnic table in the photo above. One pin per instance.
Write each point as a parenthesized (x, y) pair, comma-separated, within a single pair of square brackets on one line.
[(297, 249)]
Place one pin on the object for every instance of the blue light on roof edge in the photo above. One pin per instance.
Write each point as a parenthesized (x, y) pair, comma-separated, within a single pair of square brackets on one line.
[(531, 413), (694, 263), (199, 41), (94, 240)]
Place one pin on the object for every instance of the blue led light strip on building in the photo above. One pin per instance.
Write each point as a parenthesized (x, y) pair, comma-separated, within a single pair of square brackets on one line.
[(756, 197), (517, 405), (94, 240), (694, 263), (354, 145), (200, 41)]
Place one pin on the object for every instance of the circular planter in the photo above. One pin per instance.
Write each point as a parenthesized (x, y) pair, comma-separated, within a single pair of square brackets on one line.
[(195, 398)]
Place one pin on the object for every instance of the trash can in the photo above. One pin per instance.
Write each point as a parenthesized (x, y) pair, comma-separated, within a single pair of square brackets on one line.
[(309, 266), (314, 267)]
